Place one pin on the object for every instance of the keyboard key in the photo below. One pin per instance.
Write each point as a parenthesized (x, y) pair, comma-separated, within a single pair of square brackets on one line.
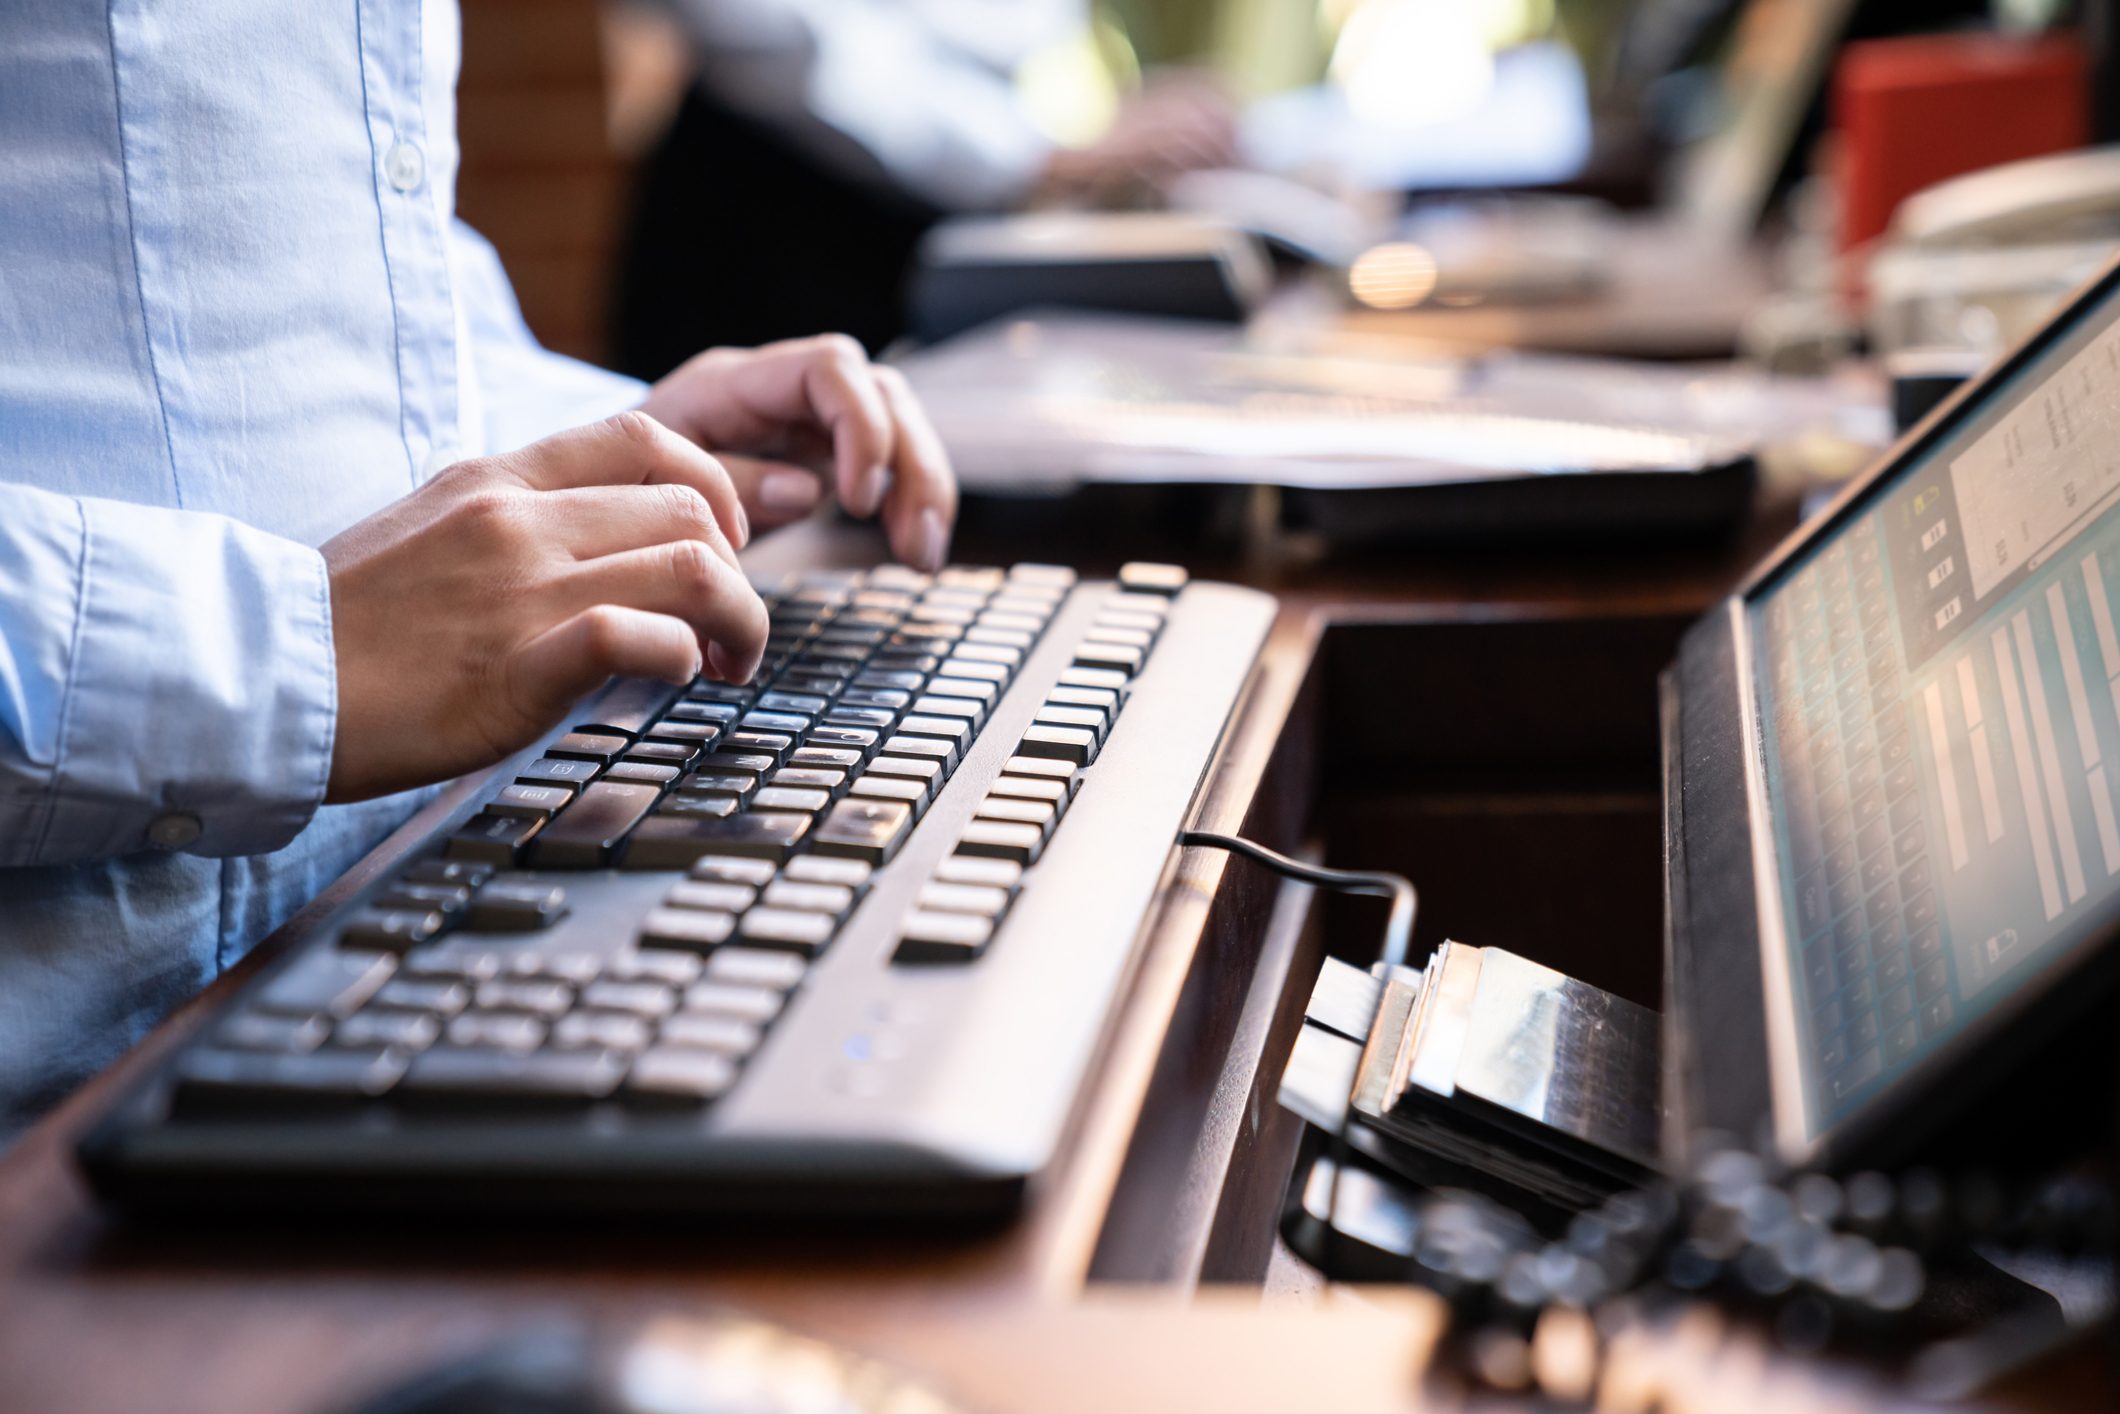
[(849, 874), (727, 869), (928, 771), (571, 967), (506, 906), (719, 714), (791, 798), (1007, 657), (642, 773), (734, 763), (390, 930), (757, 1005), (404, 1030), (756, 967), (867, 830), (587, 833), (710, 806), (217, 1081), (710, 1031), (1096, 699), (672, 969), (1039, 814), (875, 787), (1049, 768), (441, 998), (494, 839), (1113, 656), (860, 739), (970, 710), (673, 842), (1002, 874), (998, 839), (923, 748), (589, 746), (955, 730), (972, 689), (541, 1077), (257, 1031), (808, 778), (679, 1077), (685, 928), (602, 1031), (772, 744), (546, 999), (1062, 743), (788, 928), (968, 670), (649, 999), (553, 771), (833, 899), (669, 753), (449, 900), (501, 1030), (1052, 792), (875, 719), (1108, 678), (1141, 577), (943, 937), (448, 871), (529, 802), (938, 897), (1120, 637), (829, 758), (1087, 719), (715, 896)]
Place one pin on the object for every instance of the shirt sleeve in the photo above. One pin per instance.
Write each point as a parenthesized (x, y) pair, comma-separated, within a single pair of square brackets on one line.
[(166, 681), (883, 91), (520, 390)]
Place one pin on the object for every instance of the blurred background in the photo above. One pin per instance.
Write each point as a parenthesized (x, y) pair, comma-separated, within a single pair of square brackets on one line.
[(661, 177)]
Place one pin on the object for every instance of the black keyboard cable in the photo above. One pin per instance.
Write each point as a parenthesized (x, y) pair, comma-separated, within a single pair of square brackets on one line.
[(1398, 936)]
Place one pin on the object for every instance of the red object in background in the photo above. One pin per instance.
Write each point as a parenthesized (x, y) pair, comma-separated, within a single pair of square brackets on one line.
[(1911, 112)]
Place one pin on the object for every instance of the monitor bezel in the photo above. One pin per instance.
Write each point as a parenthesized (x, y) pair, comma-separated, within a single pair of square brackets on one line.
[(1892, 1122)]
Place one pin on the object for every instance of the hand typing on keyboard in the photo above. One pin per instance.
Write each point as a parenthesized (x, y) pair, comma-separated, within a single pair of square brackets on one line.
[(470, 615)]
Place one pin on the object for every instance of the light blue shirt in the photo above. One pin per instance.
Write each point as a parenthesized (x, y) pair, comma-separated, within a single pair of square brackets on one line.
[(236, 315)]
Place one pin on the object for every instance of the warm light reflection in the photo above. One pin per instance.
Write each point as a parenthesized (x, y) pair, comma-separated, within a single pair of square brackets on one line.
[(1395, 276), (1406, 63)]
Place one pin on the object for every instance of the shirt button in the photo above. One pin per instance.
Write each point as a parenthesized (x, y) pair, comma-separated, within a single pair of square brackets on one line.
[(405, 165), (175, 831)]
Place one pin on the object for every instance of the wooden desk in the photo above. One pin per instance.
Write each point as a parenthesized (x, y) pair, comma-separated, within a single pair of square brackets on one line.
[(1169, 1176)]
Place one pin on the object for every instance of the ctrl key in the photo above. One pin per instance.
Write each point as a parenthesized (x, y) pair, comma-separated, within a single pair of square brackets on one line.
[(221, 1082)]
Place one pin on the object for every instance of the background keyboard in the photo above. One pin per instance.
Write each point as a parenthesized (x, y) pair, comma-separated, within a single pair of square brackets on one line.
[(844, 936)]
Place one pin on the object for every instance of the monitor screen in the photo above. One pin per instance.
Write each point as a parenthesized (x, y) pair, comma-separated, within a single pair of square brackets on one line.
[(1938, 683)]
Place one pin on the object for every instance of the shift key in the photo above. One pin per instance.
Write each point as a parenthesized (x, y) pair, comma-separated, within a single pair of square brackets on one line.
[(588, 832)]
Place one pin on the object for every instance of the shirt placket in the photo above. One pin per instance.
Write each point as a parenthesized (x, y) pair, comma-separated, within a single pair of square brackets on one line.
[(414, 249)]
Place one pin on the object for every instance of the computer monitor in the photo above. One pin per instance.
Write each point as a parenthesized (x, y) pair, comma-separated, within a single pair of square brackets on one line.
[(1894, 757)]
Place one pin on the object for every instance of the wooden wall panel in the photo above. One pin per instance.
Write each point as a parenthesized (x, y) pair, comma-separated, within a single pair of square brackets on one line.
[(540, 178)]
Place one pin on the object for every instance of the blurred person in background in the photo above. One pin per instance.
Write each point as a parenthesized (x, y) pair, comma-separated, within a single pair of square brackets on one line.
[(820, 139)]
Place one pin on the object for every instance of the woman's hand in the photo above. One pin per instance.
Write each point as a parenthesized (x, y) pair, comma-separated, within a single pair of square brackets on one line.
[(793, 419)]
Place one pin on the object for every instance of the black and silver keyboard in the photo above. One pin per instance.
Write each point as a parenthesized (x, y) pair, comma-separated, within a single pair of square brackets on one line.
[(845, 936)]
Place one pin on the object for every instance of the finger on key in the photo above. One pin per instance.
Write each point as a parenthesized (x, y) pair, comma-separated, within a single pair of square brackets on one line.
[(922, 506), (632, 449), (568, 661), (682, 579)]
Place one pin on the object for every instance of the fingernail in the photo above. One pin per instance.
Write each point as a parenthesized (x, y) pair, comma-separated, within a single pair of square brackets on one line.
[(743, 526), (788, 491), (931, 543), (718, 660), (698, 664)]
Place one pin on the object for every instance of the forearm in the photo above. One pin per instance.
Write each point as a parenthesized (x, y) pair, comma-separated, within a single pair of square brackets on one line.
[(166, 681)]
